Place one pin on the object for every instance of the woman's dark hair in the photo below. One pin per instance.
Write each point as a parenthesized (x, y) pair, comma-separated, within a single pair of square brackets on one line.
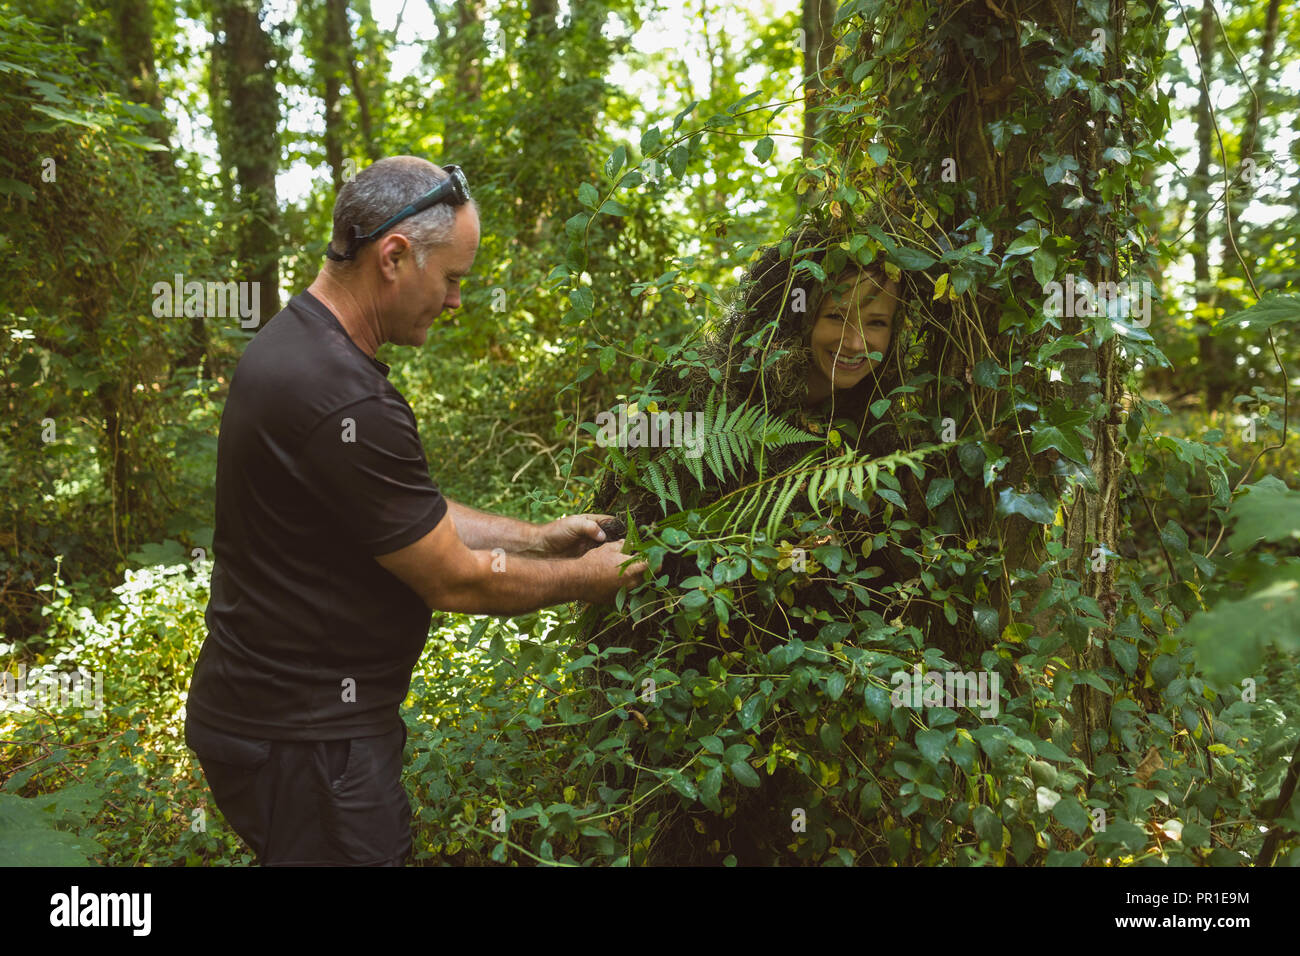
[(761, 347)]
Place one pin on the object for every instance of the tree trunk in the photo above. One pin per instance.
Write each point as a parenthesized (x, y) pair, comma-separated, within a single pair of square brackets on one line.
[(1212, 356), (335, 43), (956, 117), (466, 52), (251, 143), (818, 48)]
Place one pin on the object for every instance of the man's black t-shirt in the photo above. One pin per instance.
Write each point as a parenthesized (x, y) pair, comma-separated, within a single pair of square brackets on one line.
[(319, 469)]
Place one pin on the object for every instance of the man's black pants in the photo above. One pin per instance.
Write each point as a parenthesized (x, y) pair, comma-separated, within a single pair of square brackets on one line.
[(310, 802)]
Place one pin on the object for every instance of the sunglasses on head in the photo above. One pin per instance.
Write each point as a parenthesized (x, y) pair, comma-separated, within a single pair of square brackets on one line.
[(454, 190)]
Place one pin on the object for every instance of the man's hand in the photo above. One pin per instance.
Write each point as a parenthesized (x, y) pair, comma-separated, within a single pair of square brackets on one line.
[(575, 535), (608, 557)]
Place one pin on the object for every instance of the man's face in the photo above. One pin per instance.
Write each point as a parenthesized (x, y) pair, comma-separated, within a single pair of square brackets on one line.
[(421, 295), (851, 325)]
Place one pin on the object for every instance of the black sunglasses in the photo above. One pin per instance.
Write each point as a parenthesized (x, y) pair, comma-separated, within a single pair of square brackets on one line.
[(453, 190)]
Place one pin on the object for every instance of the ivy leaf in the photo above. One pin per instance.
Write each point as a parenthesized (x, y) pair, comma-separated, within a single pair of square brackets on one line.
[(1058, 81), (1057, 168), (1022, 245), (1044, 266), (1032, 506), (1049, 436), (1117, 154), (763, 149)]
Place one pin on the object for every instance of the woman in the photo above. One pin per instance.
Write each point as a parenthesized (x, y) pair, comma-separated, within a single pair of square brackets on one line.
[(812, 352)]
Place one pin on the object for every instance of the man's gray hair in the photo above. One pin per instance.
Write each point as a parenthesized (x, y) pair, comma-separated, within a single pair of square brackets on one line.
[(380, 191)]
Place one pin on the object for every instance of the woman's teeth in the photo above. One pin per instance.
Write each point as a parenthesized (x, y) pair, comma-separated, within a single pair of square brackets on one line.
[(849, 364)]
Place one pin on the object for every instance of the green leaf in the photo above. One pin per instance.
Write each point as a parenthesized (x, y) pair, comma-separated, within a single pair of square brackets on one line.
[(1049, 751), (1058, 81), (588, 196), (583, 299), (763, 149), (1273, 308), (751, 712), (712, 744), (612, 207), (1044, 266), (879, 153), (1022, 245), (650, 140), (1049, 436), (877, 701), (879, 407), (744, 773), (932, 744), (709, 787), (988, 827), (913, 260), (615, 161), (1125, 654), (677, 160), (1232, 637), (1032, 506), (1117, 154), (677, 120), (12, 187), (835, 686), (1072, 815), (1058, 167), (1174, 537), (1267, 511), (939, 490), (1122, 832), (683, 784), (575, 225)]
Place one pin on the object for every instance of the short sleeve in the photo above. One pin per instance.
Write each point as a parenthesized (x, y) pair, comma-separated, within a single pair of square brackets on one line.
[(367, 465)]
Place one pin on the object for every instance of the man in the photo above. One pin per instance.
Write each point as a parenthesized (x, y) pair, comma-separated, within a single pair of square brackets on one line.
[(333, 545)]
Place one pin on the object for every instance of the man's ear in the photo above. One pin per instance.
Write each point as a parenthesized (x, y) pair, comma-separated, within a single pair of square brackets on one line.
[(394, 252)]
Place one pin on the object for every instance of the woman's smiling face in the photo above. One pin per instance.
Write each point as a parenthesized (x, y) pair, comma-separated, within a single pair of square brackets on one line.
[(850, 325)]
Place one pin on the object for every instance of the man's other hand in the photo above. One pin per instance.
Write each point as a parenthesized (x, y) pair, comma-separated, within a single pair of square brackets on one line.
[(575, 535)]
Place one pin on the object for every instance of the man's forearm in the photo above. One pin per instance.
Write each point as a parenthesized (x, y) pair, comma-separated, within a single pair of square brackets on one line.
[(505, 586), (482, 531)]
